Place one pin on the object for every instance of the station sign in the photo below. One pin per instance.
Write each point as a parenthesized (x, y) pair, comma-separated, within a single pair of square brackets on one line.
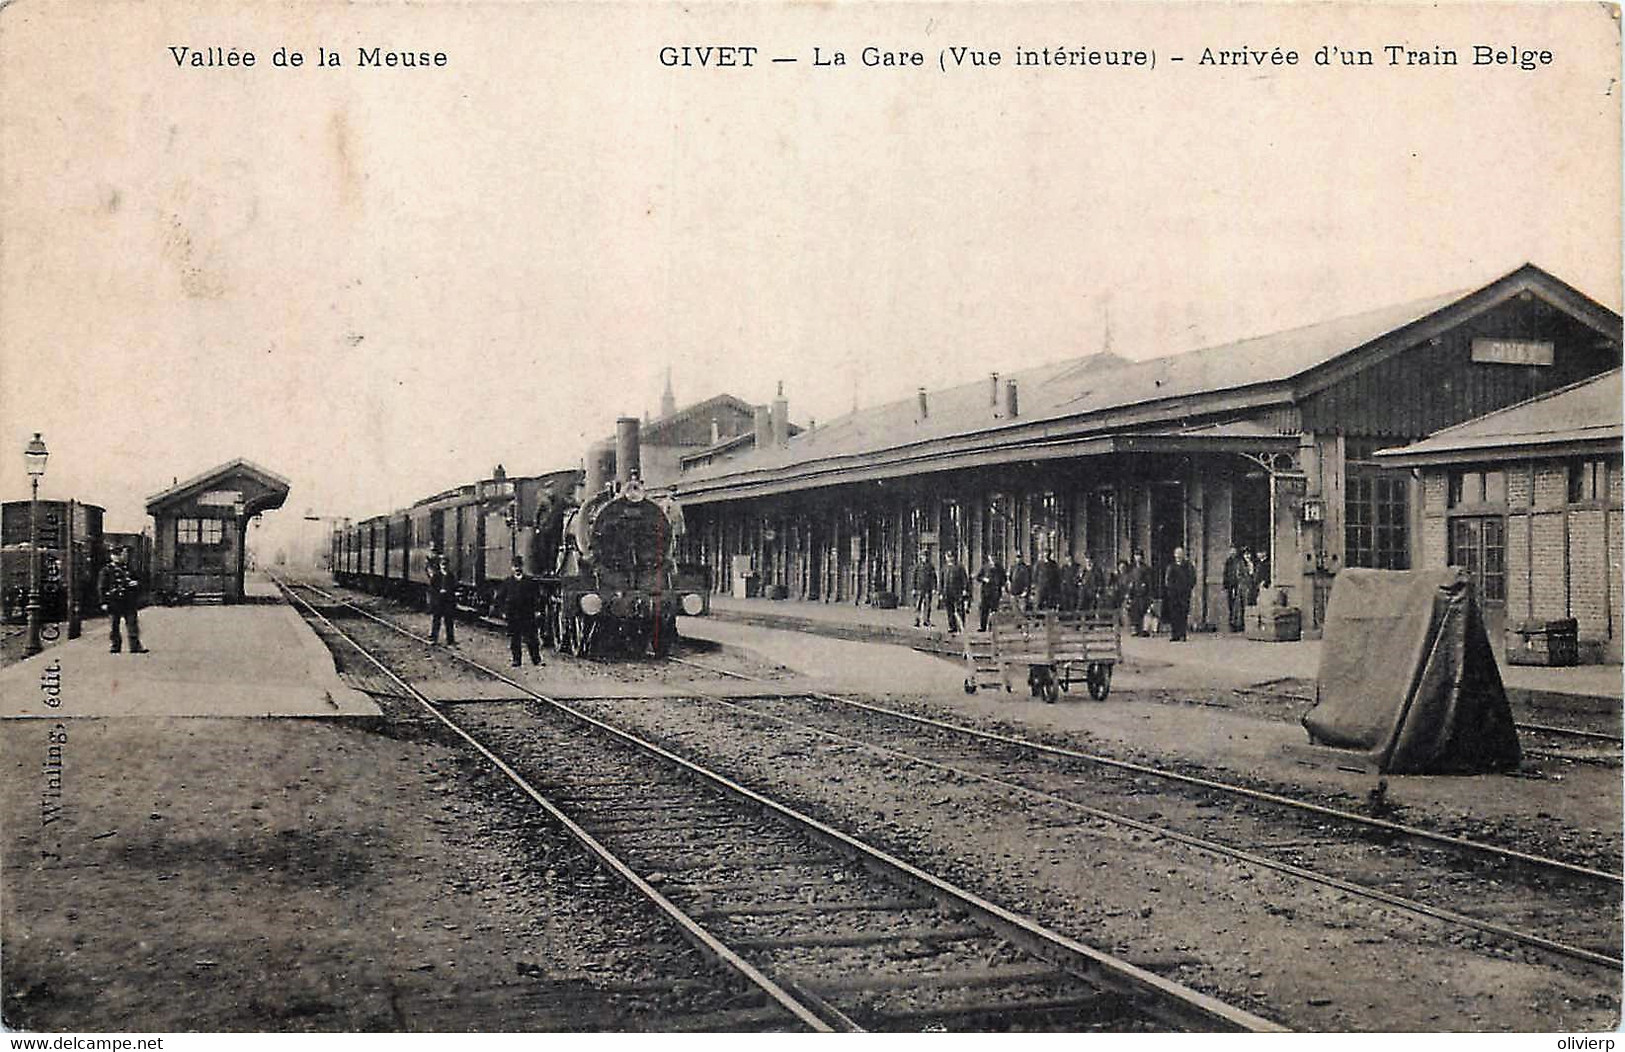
[(1513, 352), (220, 498)]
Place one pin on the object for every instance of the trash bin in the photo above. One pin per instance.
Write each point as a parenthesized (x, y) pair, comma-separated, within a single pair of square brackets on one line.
[(1554, 643)]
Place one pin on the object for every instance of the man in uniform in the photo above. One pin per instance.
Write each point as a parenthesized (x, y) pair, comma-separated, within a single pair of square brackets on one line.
[(118, 589), (992, 581), (1236, 589), (1176, 595), (1021, 579), (955, 587), (520, 596), (1047, 581), (925, 590), (442, 599), (1137, 587)]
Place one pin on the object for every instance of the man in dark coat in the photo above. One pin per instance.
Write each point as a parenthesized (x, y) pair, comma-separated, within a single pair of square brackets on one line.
[(521, 594), (955, 587), (1092, 593), (1137, 589), (1021, 579), (991, 579), (1236, 589), (1176, 595), (442, 600), (1047, 582), (925, 590), (118, 590), (1070, 579)]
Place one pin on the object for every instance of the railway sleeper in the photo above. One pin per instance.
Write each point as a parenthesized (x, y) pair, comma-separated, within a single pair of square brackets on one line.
[(860, 938)]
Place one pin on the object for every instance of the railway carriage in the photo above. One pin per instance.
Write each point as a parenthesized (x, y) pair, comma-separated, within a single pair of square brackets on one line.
[(89, 550)]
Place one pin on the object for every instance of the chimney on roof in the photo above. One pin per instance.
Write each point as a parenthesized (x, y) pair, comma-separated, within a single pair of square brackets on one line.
[(922, 411), (780, 418), (716, 431), (1010, 399), (993, 393), (764, 427)]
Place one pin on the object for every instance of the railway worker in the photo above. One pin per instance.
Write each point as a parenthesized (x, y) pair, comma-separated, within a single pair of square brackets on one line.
[(1021, 580), (1236, 589), (1070, 580), (1178, 583), (521, 595), (1137, 588), (925, 590), (1047, 581), (1092, 589), (442, 599), (955, 589), (991, 580), (119, 590)]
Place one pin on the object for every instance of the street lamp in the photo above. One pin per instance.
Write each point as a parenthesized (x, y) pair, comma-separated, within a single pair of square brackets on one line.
[(34, 457), (242, 542)]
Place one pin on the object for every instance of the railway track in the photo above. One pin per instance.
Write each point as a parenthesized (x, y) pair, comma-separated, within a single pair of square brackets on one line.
[(1307, 851), (834, 933)]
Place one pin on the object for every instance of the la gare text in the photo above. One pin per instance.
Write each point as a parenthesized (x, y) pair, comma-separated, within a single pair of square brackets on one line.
[(187, 57)]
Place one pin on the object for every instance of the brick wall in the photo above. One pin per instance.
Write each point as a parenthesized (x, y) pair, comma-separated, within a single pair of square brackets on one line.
[(1548, 595), (1518, 600)]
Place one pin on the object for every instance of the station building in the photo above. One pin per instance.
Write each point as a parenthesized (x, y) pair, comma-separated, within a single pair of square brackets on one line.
[(1268, 444), (199, 527), (1528, 501)]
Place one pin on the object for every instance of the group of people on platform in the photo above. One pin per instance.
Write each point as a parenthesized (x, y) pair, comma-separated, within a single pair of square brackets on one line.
[(1129, 591)]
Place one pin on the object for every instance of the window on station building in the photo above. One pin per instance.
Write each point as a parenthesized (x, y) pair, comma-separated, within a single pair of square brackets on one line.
[(1377, 531), (1474, 486), (199, 531), (1588, 481)]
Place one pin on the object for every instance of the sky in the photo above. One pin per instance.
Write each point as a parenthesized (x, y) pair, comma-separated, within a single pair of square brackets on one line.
[(382, 282)]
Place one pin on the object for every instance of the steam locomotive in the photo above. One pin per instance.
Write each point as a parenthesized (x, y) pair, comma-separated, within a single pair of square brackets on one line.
[(620, 586), (604, 550)]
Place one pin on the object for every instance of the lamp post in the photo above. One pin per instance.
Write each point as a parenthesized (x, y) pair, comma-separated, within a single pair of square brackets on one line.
[(242, 543), (34, 457)]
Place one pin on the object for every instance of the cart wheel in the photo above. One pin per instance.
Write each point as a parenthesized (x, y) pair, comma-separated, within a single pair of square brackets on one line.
[(1052, 692), (970, 686), (1100, 681)]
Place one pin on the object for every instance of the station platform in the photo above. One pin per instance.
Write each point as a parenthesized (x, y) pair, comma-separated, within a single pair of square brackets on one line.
[(256, 659), (1223, 660)]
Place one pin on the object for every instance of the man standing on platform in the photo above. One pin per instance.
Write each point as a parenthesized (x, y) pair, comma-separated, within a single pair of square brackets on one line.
[(925, 590), (1176, 595), (119, 593), (442, 600), (1021, 580), (1236, 589), (955, 586), (521, 595), (1137, 587), (992, 581)]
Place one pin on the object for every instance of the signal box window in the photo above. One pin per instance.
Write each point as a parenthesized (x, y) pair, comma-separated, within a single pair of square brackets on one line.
[(199, 531)]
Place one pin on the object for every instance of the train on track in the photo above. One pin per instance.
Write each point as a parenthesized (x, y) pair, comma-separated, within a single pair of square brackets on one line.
[(91, 546), (605, 551)]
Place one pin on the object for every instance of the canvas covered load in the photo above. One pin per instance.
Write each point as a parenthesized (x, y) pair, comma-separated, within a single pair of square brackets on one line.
[(1408, 678)]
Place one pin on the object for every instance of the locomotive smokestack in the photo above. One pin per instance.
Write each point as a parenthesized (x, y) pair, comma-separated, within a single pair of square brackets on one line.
[(781, 418), (764, 427), (628, 453)]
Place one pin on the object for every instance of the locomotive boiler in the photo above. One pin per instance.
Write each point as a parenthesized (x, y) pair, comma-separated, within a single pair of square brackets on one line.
[(620, 587)]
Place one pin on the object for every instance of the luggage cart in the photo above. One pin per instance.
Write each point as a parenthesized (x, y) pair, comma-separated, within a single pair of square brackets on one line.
[(1054, 646)]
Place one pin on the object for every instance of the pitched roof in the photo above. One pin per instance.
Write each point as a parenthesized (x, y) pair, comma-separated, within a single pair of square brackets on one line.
[(1100, 393), (1581, 414), (269, 479)]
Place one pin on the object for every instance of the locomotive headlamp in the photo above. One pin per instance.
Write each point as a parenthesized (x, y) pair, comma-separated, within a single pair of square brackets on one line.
[(591, 604), (633, 490), (693, 604)]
